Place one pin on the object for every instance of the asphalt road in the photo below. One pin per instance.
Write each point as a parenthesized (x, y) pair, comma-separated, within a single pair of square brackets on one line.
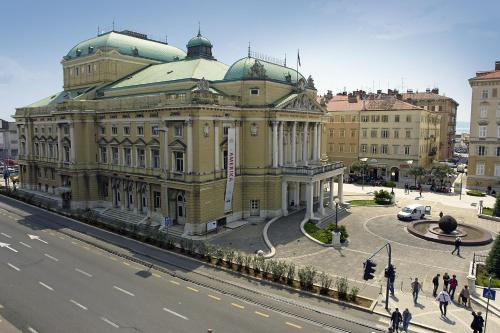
[(51, 283)]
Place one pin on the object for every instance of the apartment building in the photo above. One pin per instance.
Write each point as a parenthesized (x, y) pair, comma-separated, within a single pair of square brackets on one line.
[(8, 140), (447, 107), (484, 146)]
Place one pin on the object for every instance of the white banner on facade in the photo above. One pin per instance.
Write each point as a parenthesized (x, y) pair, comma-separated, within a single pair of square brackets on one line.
[(231, 169)]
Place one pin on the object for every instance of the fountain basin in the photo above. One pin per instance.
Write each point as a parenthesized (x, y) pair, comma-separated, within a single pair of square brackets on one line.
[(430, 230)]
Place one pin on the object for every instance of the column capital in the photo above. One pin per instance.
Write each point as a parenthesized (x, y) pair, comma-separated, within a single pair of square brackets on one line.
[(189, 122)]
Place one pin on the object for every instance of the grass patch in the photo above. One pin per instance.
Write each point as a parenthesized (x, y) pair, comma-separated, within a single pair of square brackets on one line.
[(488, 211), (369, 202), (476, 193), (482, 278), (320, 234)]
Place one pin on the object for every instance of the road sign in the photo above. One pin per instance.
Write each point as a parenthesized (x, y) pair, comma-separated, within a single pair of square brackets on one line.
[(489, 293), (167, 222), (212, 225)]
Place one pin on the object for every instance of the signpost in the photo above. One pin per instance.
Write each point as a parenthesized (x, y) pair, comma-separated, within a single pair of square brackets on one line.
[(489, 294), (212, 225)]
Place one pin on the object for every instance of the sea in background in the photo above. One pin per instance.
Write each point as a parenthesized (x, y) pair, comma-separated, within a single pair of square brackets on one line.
[(462, 127)]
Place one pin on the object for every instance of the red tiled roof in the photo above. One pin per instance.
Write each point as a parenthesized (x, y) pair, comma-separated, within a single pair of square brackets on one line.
[(341, 103), (487, 75)]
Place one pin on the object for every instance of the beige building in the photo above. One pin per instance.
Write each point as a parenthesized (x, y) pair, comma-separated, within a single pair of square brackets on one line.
[(144, 131), (484, 147), (391, 133), (447, 107)]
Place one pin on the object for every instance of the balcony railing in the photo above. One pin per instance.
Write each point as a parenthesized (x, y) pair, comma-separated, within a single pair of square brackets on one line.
[(312, 170)]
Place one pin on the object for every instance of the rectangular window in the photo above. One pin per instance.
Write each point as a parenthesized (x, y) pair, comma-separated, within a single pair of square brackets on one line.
[(140, 130), (481, 150), (154, 130), (179, 161), (341, 148), (385, 133), (66, 154), (342, 119), (385, 149), (127, 157), (66, 130), (373, 133), (331, 133), (224, 160), (484, 94), (498, 132), (498, 151), (364, 148), (114, 154), (141, 162), (103, 130), (374, 149), (375, 118), (396, 118), (254, 92), (483, 111), (225, 130), (479, 169), (126, 130), (408, 118), (482, 131), (157, 199), (353, 133), (155, 154), (104, 155), (497, 170), (494, 92), (342, 133), (365, 133), (114, 130), (178, 130), (408, 134), (396, 134), (365, 119), (407, 150), (385, 118)]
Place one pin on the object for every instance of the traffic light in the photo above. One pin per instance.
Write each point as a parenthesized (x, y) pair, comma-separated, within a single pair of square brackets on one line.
[(369, 270), (390, 272)]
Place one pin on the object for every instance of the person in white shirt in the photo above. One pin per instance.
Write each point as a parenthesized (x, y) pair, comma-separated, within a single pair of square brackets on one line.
[(443, 298)]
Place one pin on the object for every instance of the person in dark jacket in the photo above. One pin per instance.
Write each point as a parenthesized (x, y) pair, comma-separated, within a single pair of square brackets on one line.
[(477, 323), (453, 286), (396, 319), (446, 280), (458, 242), (435, 282)]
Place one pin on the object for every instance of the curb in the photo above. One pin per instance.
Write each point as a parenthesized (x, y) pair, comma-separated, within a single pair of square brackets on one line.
[(272, 249), (302, 224)]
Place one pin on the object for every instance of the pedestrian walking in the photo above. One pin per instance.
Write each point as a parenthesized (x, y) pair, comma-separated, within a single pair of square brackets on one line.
[(443, 298), (406, 320), (416, 287), (453, 286), (458, 242), (465, 296), (435, 282), (420, 190), (407, 188), (477, 323), (441, 215), (396, 320), (446, 280)]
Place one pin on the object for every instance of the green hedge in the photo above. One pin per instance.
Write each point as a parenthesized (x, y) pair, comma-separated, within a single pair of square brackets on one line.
[(324, 235), (476, 193)]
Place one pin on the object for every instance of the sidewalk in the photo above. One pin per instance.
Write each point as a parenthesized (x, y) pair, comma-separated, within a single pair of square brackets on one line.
[(426, 312)]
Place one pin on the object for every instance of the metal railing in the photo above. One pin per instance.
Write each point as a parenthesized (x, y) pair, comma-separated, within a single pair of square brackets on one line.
[(477, 258), (312, 170)]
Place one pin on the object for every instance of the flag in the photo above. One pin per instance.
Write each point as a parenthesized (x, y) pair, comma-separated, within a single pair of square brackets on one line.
[(298, 58)]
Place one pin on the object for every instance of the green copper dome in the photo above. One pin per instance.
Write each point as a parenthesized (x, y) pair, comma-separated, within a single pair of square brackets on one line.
[(251, 68), (199, 40), (127, 45)]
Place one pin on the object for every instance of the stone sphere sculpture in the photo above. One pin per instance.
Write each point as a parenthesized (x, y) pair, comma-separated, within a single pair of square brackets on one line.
[(448, 224)]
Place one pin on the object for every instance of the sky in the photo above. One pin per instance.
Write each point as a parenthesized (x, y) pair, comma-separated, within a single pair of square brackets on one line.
[(348, 45)]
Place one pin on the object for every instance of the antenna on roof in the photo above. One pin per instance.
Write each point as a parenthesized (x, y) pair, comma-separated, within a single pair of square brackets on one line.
[(249, 49), (285, 60), (98, 31), (113, 25), (166, 39), (199, 29)]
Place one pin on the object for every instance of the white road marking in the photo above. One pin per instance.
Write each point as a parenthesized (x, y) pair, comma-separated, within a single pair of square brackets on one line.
[(106, 320), (51, 257), (176, 314), (37, 238), (78, 304), (4, 234), (32, 330), (12, 266), (123, 291), (46, 286), (24, 244), (8, 246), (83, 272)]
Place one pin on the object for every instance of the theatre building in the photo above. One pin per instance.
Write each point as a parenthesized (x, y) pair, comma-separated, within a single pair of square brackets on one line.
[(144, 131)]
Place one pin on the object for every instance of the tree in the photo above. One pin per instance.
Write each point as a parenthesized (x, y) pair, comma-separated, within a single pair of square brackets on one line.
[(441, 172), (359, 167), (417, 172), (493, 260), (496, 209)]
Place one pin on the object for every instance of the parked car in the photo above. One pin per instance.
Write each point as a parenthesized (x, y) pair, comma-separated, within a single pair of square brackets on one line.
[(414, 212)]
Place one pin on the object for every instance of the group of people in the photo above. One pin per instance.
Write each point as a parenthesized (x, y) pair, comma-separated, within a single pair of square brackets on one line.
[(400, 319), (408, 189)]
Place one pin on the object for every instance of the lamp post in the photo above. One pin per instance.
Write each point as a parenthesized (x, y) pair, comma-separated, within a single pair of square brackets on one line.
[(364, 160), (392, 189), (336, 213)]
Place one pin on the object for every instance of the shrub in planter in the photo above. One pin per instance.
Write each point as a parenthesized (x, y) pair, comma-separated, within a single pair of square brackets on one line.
[(290, 274), (389, 183), (342, 229), (258, 264), (203, 249), (325, 283), (306, 277), (239, 260), (229, 257), (170, 244), (342, 287), (382, 197), (353, 295), (183, 245), (266, 268), (219, 255), (278, 270), (247, 261)]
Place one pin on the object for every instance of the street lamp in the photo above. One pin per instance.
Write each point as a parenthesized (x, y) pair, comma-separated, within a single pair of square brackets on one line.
[(337, 201), (363, 169), (392, 189)]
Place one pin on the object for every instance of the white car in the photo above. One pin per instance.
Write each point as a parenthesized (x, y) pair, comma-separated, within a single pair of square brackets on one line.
[(414, 212)]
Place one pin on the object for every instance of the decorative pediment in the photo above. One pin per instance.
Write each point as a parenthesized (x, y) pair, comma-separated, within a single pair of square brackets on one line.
[(177, 144), (114, 141), (126, 142), (154, 142), (102, 141), (301, 102), (140, 141)]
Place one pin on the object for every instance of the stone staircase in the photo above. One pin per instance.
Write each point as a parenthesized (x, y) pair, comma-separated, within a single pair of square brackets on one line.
[(329, 217), (122, 215)]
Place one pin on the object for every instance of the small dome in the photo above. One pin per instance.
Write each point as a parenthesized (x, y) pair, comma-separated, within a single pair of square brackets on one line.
[(245, 68), (199, 46), (199, 40)]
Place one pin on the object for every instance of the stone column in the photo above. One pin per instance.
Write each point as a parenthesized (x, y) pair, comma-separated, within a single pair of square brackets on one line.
[(321, 197), (309, 200), (318, 153), (330, 199), (281, 146), (296, 194), (304, 144), (284, 197), (60, 152), (341, 188), (149, 200), (216, 145), (189, 124), (165, 155), (293, 140), (164, 200), (123, 196), (315, 142), (237, 137), (275, 144)]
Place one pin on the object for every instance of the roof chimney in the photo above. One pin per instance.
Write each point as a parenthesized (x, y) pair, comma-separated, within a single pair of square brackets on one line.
[(428, 90), (497, 65), (435, 91)]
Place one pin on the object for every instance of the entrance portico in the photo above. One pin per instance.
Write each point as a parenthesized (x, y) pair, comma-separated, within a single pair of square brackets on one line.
[(310, 175)]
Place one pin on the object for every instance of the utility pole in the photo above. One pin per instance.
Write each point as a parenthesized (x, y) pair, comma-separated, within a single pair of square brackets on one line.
[(368, 265)]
